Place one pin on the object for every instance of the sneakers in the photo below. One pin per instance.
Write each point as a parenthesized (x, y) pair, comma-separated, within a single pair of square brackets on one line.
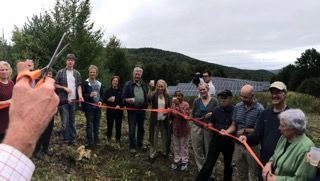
[(184, 166), (47, 152), (132, 150), (144, 148), (174, 165)]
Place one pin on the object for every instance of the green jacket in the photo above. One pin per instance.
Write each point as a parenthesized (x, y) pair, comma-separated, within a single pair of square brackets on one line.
[(292, 164)]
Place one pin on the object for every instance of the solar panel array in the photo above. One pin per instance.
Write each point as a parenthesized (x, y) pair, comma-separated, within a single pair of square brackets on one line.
[(221, 83)]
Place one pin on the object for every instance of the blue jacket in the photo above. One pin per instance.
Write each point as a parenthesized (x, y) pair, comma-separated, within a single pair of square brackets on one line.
[(86, 91)]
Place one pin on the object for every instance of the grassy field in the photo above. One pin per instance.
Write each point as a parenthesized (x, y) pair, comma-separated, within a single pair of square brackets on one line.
[(110, 163)]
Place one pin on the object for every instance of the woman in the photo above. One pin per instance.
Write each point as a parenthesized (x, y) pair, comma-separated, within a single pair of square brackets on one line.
[(288, 161), (158, 121), (200, 137), (112, 97), (181, 131), (6, 87)]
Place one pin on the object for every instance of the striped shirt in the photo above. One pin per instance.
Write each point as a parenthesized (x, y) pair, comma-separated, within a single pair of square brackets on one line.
[(246, 118)]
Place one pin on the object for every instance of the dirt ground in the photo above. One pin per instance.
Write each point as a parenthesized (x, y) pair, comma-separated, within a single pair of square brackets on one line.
[(111, 163)]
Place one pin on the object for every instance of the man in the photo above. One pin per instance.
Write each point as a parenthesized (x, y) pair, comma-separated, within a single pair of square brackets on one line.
[(92, 92), (208, 79), (68, 84), (26, 126), (245, 116), (266, 131), (221, 119), (29, 63), (134, 95)]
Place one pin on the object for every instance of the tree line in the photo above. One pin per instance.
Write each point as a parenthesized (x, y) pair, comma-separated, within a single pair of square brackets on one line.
[(304, 75)]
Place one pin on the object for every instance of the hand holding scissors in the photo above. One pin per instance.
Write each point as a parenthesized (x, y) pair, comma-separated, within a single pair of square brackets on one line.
[(35, 74)]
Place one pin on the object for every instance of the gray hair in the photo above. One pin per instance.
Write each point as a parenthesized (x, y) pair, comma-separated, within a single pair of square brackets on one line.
[(7, 65), (138, 69), (294, 119), (30, 60), (93, 67)]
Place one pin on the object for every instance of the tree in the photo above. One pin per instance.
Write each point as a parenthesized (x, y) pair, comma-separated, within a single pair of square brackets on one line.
[(285, 74), (117, 59), (309, 63), (41, 34), (73, 17)]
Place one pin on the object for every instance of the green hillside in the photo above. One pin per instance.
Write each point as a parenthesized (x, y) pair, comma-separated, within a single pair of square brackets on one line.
[(154, 56)]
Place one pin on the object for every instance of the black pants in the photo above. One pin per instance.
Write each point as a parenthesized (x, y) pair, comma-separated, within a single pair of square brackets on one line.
[(44, 139), (114, 116), (218, 144)]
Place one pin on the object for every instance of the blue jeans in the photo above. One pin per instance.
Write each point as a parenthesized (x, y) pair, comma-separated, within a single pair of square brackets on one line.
[(67, 115), (93, 122), (136, 118)]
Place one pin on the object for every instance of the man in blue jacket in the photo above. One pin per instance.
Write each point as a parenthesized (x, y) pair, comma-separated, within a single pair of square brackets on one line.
[(92, 93)]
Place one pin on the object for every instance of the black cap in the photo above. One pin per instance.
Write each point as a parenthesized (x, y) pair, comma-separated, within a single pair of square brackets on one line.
[(225, 92)]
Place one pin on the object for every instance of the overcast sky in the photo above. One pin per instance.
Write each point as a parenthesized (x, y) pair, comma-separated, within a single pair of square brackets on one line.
[(246, 34)]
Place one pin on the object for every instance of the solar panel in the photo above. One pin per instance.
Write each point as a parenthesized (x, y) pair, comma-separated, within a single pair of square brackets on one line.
[(221, 83)]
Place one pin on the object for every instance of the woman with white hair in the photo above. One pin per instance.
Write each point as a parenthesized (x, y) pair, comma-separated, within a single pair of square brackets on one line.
[(288, 161), (6, 87)]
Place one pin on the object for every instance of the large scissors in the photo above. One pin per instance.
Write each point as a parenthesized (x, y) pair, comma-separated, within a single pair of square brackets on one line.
[(33, 75)]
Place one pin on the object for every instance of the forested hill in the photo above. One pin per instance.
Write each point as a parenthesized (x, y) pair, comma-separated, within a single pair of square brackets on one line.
[(159, 64)]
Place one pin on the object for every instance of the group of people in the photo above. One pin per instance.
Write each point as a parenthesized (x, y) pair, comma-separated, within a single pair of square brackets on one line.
[(276, 135)]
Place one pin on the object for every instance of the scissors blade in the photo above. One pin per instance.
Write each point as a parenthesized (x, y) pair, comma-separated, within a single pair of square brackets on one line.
[(55, 56)]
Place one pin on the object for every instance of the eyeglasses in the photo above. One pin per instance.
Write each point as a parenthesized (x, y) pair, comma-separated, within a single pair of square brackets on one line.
[(205, 76), (276, 92)]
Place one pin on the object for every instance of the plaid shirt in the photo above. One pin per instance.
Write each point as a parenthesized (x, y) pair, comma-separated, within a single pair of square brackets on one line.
[(61, 79)]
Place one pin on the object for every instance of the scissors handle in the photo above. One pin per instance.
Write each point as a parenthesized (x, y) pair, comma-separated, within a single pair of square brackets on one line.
[(33, 75)]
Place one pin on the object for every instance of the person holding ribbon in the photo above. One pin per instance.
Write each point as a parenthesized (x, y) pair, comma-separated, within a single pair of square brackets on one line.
[(181, 131), (158, 120), (221, 119), (6, 87), (200, 137), (68, 85), (112, 97), (134, 96), (289, 159), (92, 93)]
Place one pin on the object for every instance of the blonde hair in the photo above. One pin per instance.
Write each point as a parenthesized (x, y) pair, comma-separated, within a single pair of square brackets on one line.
[(165, 89), (205, 85), (7, 65)]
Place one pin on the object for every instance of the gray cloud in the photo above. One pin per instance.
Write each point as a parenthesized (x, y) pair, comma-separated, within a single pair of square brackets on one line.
[(221, 31)]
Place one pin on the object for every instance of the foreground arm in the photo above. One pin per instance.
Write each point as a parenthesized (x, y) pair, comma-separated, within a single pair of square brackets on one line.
[(30, 112)]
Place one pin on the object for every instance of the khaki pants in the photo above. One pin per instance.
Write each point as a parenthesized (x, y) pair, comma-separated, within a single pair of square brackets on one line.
[(200, 139), (164, 136), (246, 165)]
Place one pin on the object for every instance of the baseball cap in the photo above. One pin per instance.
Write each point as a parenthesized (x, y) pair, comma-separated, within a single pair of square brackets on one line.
[(278, 85), (225, 92)]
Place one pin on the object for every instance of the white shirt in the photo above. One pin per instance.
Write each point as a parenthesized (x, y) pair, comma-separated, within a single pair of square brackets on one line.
[(71, 84), (14, 165)]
